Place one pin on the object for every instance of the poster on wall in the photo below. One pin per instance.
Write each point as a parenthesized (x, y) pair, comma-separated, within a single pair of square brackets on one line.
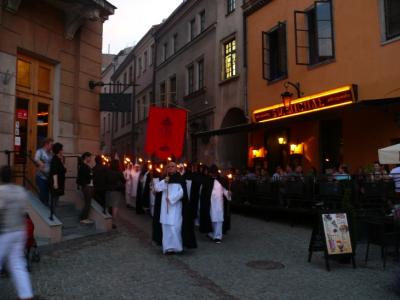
[(337, 235)]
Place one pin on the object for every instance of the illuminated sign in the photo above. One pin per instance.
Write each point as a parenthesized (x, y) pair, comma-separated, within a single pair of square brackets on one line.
[(325, 100)]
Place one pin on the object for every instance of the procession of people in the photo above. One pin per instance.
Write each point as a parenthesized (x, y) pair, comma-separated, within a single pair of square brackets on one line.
[(179, 197)]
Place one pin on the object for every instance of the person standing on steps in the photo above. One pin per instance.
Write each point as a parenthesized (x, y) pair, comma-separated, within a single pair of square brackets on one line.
[(85, 182), (57, 174), (42, 160)]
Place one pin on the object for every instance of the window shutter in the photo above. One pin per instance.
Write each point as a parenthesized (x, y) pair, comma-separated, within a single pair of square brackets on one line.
[(282, 49), (265, 56), (324, 30), (302, 38)]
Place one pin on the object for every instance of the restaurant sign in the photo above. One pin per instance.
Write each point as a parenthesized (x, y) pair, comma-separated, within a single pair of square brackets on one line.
[(325, 100)]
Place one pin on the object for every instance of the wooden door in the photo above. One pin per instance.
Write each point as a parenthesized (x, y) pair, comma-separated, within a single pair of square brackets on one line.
[(33, 109)]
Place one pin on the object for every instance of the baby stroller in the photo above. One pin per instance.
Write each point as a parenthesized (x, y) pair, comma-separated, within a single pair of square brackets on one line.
[(31, 250)]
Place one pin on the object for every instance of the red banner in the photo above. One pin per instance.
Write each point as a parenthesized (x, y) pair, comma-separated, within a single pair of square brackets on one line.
[(165, 132)]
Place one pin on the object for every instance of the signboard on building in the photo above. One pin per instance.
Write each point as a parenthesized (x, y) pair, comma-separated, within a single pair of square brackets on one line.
[(115, 102), (325, 100)]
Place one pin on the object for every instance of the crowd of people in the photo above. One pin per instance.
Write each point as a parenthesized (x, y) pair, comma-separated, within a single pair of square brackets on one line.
[(179, 198)]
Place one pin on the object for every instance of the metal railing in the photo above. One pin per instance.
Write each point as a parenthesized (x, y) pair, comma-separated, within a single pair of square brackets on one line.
[(366, 193), (23, 165)]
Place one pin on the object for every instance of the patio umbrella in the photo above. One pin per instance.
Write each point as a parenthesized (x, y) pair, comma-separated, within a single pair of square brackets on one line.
[(390, 155)]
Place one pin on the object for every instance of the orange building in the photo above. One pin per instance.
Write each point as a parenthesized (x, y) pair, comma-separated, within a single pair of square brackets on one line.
[(323, 80)]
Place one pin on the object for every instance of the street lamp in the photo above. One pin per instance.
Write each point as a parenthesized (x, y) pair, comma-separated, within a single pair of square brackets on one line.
[(287, 96)]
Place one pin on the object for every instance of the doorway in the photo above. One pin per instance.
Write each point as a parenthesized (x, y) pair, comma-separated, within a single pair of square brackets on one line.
[(33, 109), (331, 141)]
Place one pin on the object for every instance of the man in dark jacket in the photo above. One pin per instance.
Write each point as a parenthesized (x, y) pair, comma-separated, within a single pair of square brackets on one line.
[(85, 182), (100, 181)]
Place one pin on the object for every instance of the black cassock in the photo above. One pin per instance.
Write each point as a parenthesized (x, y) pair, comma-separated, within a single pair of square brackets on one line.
[(188, 235), (205, 205), (143, 193), (157, 228)]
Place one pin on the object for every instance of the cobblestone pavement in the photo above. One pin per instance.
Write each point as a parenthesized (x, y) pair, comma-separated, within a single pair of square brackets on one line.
[(125, 265)]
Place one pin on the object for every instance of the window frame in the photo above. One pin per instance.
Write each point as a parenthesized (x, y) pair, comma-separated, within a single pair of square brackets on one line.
[(310, 33), (385, 15), (192, 29), (233, 57), (200, 74), (202, 17), (173, 92), (230, 6), (190, 79), (267, 60)]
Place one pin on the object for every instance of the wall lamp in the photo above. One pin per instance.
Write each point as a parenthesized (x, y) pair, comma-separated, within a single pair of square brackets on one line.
[(287, 96)]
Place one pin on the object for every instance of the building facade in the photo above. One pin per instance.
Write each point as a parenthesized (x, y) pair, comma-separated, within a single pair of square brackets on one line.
[(322, 81), (49, 51), (231, 104), (144, 54), (106, 117), (185, 70)]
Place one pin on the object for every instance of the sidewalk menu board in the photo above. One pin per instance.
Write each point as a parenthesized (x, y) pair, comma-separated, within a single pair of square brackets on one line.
[(337, 235)]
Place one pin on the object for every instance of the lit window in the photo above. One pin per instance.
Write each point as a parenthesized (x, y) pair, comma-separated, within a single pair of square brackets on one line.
[(229, 59)]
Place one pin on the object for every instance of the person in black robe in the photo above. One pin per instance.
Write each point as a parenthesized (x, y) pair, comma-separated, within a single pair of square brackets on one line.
[(157, 228), (205, 202), (143, 194)]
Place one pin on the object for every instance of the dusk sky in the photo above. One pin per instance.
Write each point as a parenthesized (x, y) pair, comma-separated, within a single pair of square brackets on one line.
[(132, 19)]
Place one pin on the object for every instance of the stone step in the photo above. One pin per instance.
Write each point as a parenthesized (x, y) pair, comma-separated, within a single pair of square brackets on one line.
[(79, 232)]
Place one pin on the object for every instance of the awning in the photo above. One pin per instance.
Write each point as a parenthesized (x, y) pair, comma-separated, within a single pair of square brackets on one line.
[(389, 155), (247, 127)]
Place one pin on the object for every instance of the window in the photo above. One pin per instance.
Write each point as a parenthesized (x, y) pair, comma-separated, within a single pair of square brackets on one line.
[(164, 51), (140, 65), (116, 114), (174, 43), (128, 117), (392, 19), (190, 72), (152, 100), (274, 53), (130, 75), (314, 34), (145, 61), (122, 119), (123, 88), (108, 122), (104, 125), (172, 89), (229, 59), (118, 86), (137, 110), (231, 5), (202, 21), (151, 57), (144, 108), (162, 93), (200, 75), (137, 67), (192, 29)]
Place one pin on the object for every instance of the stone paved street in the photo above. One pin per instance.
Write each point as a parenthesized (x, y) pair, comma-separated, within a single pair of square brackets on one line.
[(125, 265)]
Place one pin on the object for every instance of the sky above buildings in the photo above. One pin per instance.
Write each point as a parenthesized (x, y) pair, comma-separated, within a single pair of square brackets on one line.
[(132, 19)]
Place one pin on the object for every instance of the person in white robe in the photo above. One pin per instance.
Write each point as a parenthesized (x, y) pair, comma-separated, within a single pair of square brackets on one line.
[(134, 183), (128, 185), (171, 212), (217, 209)]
